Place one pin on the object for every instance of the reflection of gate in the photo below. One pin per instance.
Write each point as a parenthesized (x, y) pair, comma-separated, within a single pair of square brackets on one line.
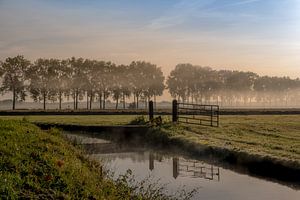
[(196, 169), (188, 168), (198, 114)]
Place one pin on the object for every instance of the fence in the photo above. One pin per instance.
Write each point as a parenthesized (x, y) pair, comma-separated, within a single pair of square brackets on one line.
[(207, 115)]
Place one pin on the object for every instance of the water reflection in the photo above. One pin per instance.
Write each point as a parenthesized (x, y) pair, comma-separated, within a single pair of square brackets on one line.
[(188, 168), (182, 171), (181, 167)]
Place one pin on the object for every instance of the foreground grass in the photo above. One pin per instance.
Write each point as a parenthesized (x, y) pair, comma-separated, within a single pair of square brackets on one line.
[(35, 164), (275, 136), (77, 119)]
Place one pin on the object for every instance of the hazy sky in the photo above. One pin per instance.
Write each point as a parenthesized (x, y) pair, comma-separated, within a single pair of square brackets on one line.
[(257, 35)]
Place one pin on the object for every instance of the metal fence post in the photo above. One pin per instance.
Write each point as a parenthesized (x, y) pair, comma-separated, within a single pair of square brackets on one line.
[(151, 110), (174, 111)]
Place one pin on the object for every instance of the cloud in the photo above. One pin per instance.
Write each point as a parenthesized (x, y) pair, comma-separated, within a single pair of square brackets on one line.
[(243, 2), (177, 14), (184, 11)]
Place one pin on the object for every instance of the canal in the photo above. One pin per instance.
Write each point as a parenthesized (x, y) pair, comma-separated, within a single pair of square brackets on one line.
[(176, 171)]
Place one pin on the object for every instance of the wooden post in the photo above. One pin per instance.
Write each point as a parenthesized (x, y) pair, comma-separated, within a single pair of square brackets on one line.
[(218, 113), (14, 98), (174, 111), (151, 110), (175, 167), (211, 115), (151, 161)]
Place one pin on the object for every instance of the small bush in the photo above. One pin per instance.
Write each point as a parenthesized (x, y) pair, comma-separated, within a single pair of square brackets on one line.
[(140, 120)]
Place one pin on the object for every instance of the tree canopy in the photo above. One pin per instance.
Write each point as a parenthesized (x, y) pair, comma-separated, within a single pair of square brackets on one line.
[(203, 84), (56, 80), (53, 79)]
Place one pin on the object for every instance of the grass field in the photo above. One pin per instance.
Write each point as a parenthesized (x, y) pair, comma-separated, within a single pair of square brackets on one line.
[(77, 119), (276, 136)]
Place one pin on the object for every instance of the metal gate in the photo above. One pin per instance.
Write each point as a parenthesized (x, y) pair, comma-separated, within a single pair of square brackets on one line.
[(207, 115)]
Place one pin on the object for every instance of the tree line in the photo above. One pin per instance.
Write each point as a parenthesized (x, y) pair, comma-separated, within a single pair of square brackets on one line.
[(55, 80), (77, 78), (189, 83)]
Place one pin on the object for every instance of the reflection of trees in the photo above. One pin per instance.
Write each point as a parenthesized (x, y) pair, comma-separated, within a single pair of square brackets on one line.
[(112, 151)]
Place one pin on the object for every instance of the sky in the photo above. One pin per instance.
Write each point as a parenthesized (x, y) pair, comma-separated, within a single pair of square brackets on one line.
[(249, 35)]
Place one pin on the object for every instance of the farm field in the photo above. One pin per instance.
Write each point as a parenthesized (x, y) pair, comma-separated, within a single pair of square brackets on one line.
[(76, 119), (277, 136)]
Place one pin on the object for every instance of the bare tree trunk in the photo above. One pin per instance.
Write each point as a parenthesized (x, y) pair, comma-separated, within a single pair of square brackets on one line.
[(124, 103), (137, 101), (201, 98), (76, 99), (134, 101), (104, 96), (87, 100), (14, 98), (100, 100), (154, 101), (59, 98), (117, 103), (44, 99), (91, 100)]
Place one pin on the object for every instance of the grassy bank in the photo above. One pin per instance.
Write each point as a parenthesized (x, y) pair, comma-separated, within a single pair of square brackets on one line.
[(35, 164), (276, 136), (76, 119)]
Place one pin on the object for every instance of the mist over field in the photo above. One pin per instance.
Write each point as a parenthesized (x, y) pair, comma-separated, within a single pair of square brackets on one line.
[(102, 85)]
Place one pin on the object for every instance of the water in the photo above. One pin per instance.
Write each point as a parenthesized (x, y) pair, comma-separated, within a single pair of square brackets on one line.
[(177, 172)]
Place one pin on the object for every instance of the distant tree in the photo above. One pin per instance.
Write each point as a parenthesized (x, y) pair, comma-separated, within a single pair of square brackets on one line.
[(180, 81), (116, 87), (13, 71), (97, 80), (87, 77), (146, 80), (241, 84), (136, 78), (102, 81), (124, 79), (157, 87), (153, 82), (52, 79), (78, 79), (43, 79), (63, 80)]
